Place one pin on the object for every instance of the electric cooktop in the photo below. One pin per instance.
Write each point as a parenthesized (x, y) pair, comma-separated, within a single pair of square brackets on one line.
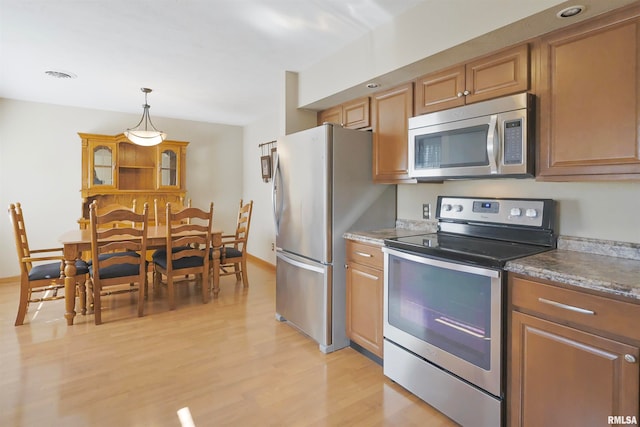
[(474, 250)]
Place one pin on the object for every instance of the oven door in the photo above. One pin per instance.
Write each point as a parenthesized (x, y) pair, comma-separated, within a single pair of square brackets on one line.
[(447, 313)]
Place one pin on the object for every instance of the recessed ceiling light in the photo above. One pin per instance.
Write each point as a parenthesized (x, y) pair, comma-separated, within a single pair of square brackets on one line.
[(373, 85), (570, 11), (59, 74)]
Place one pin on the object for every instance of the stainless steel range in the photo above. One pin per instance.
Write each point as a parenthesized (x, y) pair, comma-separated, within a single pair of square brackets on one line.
[(444, 302)]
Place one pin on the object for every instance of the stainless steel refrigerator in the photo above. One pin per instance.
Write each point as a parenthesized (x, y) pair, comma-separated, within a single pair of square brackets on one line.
[(322, 187)]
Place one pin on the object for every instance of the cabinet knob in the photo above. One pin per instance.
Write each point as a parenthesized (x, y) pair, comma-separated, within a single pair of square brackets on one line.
[(630, 358), (460, 94), (346, 266), (466, 92)]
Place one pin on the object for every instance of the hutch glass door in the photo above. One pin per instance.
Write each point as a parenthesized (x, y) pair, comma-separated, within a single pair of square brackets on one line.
[(168, 168), (103, 166)]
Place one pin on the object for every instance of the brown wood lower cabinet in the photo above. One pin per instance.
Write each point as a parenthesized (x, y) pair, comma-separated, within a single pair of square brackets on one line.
[(364, 295), (564, 372)]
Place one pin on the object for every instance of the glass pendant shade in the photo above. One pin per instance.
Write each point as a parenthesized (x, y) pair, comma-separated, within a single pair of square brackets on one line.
[(140, 134), (145, 137)]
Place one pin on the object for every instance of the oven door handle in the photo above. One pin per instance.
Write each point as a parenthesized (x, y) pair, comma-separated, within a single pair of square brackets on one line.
[(425, 259), (492, 144)]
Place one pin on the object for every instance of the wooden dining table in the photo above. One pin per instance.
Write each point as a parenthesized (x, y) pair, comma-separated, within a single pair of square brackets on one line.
[(74, 242)]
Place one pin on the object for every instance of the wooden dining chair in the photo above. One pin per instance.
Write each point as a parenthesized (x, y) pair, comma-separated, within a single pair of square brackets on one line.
[(160, 218), (115, 254), (159, 210), (114, 206), (186, 251), (233, 254), (37, 273)]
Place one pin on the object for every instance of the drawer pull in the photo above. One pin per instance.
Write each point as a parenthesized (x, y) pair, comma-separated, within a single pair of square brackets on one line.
[(364, 254), (630, 358), (566, 307)]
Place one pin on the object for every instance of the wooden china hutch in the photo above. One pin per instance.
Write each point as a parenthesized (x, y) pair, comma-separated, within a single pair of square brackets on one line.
[(116, 171)]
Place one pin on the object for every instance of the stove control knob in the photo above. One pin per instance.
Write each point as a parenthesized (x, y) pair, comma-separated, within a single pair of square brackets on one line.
[(446, 207), (531, 213), (457, 208), (515, 212)]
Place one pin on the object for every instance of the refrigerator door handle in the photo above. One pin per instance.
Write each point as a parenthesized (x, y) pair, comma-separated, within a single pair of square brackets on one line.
[(299, 264), (274, 194)]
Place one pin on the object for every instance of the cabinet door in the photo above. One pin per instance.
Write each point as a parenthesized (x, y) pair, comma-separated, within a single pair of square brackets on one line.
[(364, 307), (391, 110), (355, 114), (589, 112), (102, 167), (441, 90), (501, 74), (168, 167), (330, 115), (561, 376)]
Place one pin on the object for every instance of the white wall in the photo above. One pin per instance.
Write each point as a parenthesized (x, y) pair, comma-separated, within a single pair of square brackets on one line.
[(40, 167), (261, 233), (283, 119)]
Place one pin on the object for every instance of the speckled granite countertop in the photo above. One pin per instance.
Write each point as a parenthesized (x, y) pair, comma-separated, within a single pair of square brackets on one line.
[(403, 228), (604, 266)]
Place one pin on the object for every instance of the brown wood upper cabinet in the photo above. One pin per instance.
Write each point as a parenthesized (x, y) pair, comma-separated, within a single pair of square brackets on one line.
[(390, 111), (352, 115), (573, 357), (503, 73), (589, 100), (115, 171)]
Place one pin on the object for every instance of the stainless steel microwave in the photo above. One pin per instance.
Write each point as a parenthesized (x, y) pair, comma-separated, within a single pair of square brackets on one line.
[(488, 139)]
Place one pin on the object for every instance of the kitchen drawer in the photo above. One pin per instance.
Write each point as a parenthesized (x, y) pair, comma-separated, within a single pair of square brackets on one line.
[(575, 307), (362, 253)]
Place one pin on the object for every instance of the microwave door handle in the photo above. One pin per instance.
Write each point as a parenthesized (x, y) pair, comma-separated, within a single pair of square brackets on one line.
[(492, 144)]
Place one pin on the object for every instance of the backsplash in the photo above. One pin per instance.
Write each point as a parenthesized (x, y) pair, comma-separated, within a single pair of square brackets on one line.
[(428, 226), (600, 247), (593, 210)]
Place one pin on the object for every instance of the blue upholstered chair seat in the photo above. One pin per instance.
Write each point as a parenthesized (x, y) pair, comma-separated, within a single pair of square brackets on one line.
[(52, 270), (231, 252), (118, 270), (178, 264), (162, 253), (102, 257)]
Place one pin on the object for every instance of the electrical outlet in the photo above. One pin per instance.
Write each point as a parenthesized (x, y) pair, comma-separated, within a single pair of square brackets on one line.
[(426, 211), (273, 246)]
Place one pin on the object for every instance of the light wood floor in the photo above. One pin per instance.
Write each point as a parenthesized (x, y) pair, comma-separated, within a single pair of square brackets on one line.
[(229, 362)]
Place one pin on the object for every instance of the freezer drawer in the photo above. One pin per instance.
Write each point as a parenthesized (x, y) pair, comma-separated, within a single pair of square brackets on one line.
[(303, 296)]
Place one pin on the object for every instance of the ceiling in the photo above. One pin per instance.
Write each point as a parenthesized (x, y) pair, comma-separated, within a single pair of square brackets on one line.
[(217, 61)]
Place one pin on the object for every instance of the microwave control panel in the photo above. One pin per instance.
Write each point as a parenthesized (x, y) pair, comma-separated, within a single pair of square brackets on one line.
[(513, 142)]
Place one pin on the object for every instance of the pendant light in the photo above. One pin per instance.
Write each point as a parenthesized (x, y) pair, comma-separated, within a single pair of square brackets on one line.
[(142, 135)]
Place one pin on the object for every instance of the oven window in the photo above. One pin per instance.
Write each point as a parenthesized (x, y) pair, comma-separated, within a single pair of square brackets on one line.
[(447, 308)]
